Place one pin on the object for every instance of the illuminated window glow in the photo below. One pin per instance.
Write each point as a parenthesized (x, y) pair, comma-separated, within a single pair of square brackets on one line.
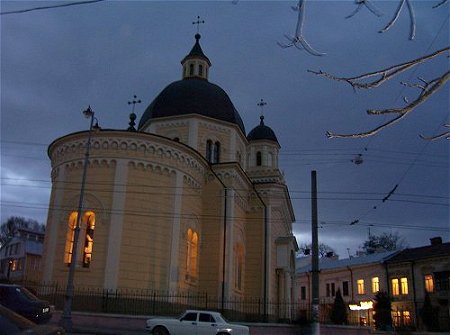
[(360, 286), (395, 287), (192, 254), (429, 283), (375, 284), (87, 227), (404, 285)]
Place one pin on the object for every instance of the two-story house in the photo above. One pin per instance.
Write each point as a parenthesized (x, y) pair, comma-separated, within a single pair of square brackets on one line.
[(20, 257), (412, 274)]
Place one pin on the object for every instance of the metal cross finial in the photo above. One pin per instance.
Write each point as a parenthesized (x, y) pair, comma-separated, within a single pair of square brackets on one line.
[(134, 102), (198, 23), (261, 104)]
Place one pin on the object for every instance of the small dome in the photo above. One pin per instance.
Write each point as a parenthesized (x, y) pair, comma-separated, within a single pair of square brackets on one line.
[(192, 96), (262, 132)]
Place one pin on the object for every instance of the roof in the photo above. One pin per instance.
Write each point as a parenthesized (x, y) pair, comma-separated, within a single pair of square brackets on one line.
[(328, 264), (413, 254), (196, 51), (262, 132), (192, 96)]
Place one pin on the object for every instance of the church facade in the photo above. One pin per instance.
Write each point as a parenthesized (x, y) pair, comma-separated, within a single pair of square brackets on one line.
[(187, 202)]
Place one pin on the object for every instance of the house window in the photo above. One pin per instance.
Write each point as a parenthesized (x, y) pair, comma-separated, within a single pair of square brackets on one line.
[(258, 158), (442, 280), (192, 254), (429, 284), (404, 285), (238, 266), (375, 284), (303, 293), (331, 289), (395, 287), (345, 288), (360, 286), (87, 226)]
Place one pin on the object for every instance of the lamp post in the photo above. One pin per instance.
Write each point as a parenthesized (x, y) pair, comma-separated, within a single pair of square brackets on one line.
[(66, 317)]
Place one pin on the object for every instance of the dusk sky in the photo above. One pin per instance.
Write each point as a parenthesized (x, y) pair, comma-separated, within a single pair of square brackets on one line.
[(56, 62)]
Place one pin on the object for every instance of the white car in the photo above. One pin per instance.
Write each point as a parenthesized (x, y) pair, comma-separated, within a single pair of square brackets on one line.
[(193, 322)]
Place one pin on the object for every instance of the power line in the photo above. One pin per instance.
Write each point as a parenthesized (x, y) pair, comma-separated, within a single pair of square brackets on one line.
[(20, 11)]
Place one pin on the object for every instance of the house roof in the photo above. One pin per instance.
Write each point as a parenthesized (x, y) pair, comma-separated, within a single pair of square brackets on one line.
[(328, 264), (413, 254)]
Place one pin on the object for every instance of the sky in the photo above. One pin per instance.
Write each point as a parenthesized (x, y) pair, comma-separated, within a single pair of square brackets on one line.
[(56, 62)]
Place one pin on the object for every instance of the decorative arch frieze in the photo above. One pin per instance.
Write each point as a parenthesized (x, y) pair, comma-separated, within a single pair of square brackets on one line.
[(137, 147)]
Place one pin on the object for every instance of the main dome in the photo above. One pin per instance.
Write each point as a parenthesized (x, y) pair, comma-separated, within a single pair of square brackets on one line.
[(192, 96)]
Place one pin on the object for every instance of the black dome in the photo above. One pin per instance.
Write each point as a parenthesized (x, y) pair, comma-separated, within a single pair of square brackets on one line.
[(192, 96), (262, 132)]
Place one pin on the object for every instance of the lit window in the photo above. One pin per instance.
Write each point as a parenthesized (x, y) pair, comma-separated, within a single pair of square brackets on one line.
[(89, 240), (406, 318), (375, 284), (396, 318), (70, 238), (360, 286), (87, 227), (404, 285), (429, 283), (238, 266), (192, 254), (395, 287)]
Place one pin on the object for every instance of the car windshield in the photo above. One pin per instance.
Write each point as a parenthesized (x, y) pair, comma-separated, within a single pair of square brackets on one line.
[(221, 319), (26, 293)]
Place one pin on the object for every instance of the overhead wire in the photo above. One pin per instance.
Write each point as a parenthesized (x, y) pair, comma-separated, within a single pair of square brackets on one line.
[(76, 3)]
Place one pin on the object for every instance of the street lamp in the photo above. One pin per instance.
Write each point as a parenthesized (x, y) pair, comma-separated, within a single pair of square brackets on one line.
[(66, 318)]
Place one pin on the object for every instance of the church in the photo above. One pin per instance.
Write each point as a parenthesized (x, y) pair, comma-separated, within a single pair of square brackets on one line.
[(187, 201)]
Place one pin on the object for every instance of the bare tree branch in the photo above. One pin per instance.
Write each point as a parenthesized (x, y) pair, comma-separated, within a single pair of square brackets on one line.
[(443, 135), (428, 90), (397, 14), (299, 40), (440, 4), (370, 6), (381, 75)]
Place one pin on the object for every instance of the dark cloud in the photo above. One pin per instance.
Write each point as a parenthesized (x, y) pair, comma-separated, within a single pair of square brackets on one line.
[(56, 62)]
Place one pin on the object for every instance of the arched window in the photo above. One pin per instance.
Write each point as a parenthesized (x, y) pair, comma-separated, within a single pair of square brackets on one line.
[(239, 266), (216, 157), (89, 239), (192, 255), (209, 149), (200, 70), (86, 235), (258, 158), (191, 69)]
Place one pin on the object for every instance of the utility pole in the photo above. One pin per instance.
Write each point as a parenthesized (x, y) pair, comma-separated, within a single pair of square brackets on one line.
[(315, 257)]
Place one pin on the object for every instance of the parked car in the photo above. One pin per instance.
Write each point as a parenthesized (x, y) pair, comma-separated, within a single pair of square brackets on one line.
[(193, 322), (12, 323), (23, 302)]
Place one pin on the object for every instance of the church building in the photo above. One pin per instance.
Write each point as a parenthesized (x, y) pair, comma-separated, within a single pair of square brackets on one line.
[(185, 202)]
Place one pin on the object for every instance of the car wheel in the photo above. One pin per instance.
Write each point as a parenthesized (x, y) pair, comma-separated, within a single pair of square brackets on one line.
[(160, 331)]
